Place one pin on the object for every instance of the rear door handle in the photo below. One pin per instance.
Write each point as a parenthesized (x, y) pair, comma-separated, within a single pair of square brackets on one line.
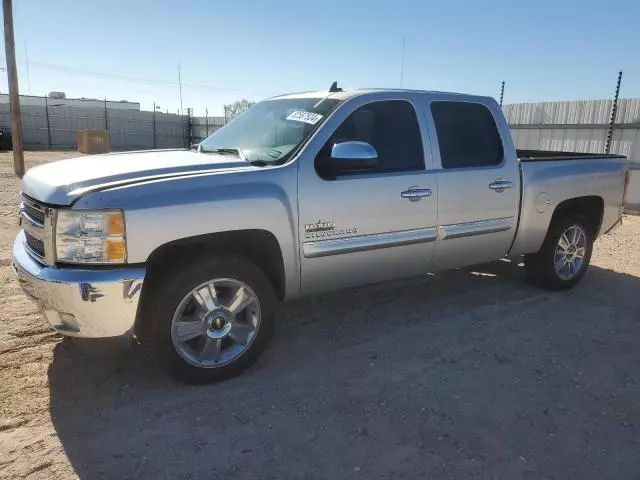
[(500, 186), (415, 194)]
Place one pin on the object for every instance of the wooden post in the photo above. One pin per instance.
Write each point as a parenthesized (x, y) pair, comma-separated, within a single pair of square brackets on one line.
[(14, 92)]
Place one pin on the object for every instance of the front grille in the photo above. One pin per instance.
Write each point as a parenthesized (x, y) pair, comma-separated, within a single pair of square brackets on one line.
[(36, 245), (33, 209), (37, 215), (36, 222)]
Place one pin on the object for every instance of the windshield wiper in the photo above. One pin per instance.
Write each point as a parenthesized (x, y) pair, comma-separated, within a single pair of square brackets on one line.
[(237, 152), (224, 151)]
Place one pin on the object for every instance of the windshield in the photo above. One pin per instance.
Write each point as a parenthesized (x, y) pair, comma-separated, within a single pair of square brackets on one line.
[(270, 130)]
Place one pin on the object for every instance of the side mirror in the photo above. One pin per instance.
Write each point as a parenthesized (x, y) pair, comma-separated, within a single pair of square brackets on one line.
[(353, 156)]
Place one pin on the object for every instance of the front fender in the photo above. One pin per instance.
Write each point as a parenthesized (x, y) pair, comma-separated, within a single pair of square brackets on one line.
[(160, 212)]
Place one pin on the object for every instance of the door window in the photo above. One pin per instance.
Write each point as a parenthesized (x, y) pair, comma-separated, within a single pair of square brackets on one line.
[(391, 127), (467, 135)]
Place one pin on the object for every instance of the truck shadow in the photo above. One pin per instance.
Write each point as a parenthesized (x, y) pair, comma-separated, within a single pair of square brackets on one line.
[(468, 371)]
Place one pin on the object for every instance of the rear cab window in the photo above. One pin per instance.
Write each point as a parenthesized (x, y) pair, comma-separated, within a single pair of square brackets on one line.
[(468, 136)]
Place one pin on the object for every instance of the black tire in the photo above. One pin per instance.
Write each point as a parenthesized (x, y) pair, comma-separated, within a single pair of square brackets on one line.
[(174, 286), (540, 266)]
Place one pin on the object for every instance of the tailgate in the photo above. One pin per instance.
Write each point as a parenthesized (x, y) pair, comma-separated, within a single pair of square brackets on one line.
[(632, 204)]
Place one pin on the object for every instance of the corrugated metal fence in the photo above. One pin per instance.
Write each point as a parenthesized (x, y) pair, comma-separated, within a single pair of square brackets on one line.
[(572, 126), (57, 126), (580, 126)]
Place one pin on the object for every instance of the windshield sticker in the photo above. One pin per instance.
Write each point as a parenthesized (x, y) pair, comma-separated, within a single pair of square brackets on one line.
[(273, 153), (306, 117)]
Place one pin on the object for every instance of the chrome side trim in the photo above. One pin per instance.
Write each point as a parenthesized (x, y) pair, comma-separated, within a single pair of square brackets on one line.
[(363, 243), (471, 229)]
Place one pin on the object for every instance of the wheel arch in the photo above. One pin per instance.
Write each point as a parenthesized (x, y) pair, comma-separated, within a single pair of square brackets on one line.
[(591, 207), (259, 246)]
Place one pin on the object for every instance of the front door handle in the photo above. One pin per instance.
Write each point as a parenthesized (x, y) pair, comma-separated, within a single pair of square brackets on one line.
[(415, 194), (500, 186)]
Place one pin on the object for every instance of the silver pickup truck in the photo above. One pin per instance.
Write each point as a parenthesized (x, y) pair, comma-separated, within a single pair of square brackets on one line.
[(192, 250)]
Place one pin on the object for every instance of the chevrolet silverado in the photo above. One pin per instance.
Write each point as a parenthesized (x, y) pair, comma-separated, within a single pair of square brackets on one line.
[(191, 251)]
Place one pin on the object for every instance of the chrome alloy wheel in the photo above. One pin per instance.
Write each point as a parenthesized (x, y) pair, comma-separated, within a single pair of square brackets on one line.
[(215, 322), (570, 252)]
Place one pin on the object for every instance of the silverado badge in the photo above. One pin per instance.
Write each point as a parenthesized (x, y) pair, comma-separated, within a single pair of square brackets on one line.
[(322, 229)]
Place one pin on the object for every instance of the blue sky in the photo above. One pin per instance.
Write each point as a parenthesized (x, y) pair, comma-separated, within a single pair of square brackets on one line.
[(544, 50)]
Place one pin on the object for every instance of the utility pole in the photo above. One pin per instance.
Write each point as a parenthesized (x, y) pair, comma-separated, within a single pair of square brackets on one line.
[(14, 92), (180, 88), (404, 46), (189, 127), (154, 125), (501, 92), (26, 58)]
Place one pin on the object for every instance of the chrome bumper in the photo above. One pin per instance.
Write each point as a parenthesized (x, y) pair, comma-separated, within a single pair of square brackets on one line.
[(81, 302)]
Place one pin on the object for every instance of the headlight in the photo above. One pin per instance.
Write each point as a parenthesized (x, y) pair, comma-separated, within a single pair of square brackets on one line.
[(84, 236)]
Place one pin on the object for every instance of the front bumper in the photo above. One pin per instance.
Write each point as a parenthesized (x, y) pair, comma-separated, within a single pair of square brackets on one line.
[(81, 302)]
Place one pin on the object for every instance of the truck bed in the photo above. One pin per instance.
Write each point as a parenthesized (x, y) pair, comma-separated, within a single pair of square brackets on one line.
[(549, 156), (548, 180)]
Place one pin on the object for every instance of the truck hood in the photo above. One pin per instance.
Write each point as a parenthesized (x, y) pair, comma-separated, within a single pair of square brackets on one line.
[(60, 183)]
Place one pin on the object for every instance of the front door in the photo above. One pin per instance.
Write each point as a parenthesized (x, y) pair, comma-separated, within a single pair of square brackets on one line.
[(478, 184), (368, 226)]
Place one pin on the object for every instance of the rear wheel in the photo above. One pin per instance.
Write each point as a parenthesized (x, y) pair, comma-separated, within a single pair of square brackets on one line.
[(565, 254), (211, 320)]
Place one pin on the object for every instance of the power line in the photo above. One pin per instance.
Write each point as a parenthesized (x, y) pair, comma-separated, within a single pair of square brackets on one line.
[(125, 78)]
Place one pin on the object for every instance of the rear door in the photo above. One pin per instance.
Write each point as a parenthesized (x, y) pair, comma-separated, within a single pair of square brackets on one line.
[(478, 182), (368, 226)]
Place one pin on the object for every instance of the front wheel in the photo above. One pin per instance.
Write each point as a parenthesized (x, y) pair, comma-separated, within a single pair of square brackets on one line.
[(564, 256), (210, 320)]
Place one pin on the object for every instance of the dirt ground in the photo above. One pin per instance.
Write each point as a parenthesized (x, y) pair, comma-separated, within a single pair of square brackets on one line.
[(471, 373)]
